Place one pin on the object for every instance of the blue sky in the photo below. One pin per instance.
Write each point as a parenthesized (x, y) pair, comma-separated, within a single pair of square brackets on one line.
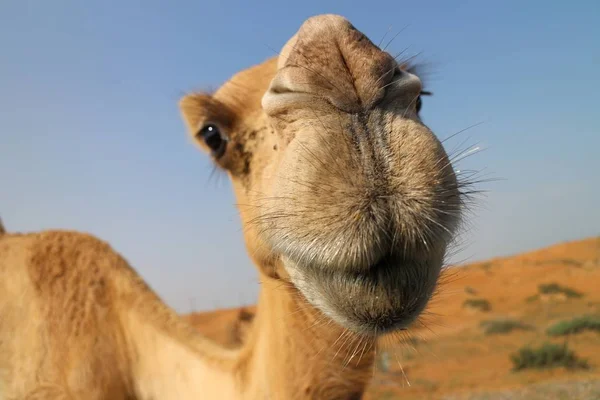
[(91, 137)]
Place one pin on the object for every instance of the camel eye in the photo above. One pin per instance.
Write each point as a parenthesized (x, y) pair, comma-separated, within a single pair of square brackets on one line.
[(214, 139), (419, 103)]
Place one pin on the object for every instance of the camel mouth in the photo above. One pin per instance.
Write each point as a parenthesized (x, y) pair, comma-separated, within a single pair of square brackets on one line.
[(386, 297)]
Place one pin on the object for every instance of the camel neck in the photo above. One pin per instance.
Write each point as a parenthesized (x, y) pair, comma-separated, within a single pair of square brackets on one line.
[(291, 352), (169, 359), (169, 367), (295, 352)]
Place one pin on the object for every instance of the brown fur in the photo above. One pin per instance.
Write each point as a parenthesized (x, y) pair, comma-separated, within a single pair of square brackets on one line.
[(348, 203)]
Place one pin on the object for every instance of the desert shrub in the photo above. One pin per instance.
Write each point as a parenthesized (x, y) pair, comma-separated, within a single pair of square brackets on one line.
[(555, 288), (566, 261), (575, 325), (532, 298), (480, 304), (388, 395), (426, 384), (486, 265), (570, 261), (501, 326), (470, 290), (548, 355), (412, 341)]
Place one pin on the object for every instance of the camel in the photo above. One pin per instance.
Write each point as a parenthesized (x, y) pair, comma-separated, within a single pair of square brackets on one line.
[(348, 203)]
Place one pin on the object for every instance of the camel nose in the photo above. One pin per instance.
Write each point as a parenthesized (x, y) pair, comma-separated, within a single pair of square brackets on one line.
[(330, 59)]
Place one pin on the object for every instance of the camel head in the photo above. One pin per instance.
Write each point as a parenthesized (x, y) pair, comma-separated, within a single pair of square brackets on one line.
[(343, 191)]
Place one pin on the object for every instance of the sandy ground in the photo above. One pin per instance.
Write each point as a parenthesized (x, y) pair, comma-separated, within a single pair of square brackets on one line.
[(567, 390)]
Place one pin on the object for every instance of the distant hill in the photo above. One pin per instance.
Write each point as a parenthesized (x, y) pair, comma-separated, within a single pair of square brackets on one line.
[(226, 326), (454, 354)]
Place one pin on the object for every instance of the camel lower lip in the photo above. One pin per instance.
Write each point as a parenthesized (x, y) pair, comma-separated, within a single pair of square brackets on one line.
[(387, 297)]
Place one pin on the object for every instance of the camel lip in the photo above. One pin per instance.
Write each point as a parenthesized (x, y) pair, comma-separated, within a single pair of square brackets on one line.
[(387, 297)]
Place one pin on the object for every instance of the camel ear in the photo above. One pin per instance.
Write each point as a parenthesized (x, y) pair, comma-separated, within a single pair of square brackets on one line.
[(194, 109), (245, 315), (420, 70)]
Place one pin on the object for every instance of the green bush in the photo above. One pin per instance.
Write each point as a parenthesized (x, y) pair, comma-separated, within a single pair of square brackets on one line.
[(555, 288), (503, 326), (575, 325), (481, 304), (546, 356)]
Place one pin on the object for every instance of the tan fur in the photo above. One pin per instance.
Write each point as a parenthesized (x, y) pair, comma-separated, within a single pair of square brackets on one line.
[(348, 203)]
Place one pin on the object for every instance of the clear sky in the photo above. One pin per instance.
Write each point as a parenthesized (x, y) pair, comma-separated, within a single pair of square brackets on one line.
[(91, 137)]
